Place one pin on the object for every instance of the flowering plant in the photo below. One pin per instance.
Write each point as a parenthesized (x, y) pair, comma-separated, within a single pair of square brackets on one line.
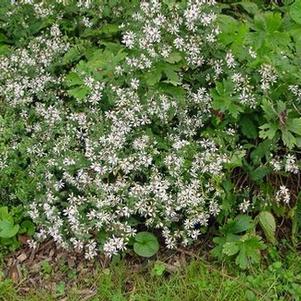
[(126, 115)]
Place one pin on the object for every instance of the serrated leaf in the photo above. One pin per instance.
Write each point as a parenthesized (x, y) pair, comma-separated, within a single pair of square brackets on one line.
[(230, 248), (146, 244), (268, 131), (288, 139), (242, 259), (295, 11), (294, 125), (242, 224), (268, 225)]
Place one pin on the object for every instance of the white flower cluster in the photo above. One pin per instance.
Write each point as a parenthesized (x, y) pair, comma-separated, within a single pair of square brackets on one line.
[(191, 31), (123, 154), (288, 164), (283, 195), (268, 76), (244, 89), (296, 90), (25, 73)]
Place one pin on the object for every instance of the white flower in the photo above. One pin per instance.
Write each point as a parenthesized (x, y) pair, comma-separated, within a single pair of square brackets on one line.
[(244, 206), (283, 195), (129, 39)]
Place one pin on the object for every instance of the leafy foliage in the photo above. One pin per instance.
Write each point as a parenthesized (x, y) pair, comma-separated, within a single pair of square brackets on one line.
[(146, 244), (161, 114), (239, 241), (13, 224)]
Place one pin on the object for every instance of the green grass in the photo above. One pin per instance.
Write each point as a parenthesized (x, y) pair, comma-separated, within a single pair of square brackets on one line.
[(196, 281)]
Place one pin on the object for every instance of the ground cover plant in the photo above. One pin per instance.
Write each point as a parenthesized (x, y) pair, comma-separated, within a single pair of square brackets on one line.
[(129, 125), (194, 279)]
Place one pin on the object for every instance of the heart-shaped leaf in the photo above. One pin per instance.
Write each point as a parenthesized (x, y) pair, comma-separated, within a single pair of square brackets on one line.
[(146, 244), (8, 229)]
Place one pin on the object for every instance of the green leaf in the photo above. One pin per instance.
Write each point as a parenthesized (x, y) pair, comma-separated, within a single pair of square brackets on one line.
[(248, 127), (28, 227), (109, 29), (259, 173), (268, 225), (73, 54), (172, 76), (242, 259), (295, 11), (261, 150), (79, 92), (153, 77), (8, 229), (174, 57), (296, 220), (146, 244), (230, 248), (268, 131), (242, 223), (159, 268), (249, 7), (249, 246), (288, 138), (60, 288), (294, 125), (4, 213), (73, 79)]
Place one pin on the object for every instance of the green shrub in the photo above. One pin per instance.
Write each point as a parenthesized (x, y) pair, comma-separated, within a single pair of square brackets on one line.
[(121, 116)]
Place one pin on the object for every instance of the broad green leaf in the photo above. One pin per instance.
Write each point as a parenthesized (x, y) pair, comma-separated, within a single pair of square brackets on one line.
[(259, 173), (174, 57), (27, 227), (110, 29), (288, 138), (261, 150), (248, 127), (248, 6), (230, 248), (153, 77), (172, 76), (295, 11), (268, 131), (146, 244), (268, 225), (242, 223), (79, 92), (73, 79), (294, 125), (8, 229), (4, 213)]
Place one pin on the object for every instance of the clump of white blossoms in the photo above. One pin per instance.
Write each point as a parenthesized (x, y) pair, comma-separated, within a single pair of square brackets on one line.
[(132, 148), (283, 195), (288, 164)]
